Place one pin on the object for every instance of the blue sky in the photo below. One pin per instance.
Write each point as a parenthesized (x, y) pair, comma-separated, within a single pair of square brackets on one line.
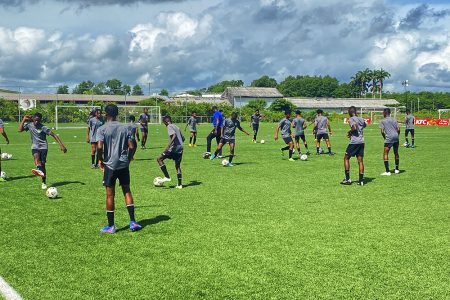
[(185, 44)]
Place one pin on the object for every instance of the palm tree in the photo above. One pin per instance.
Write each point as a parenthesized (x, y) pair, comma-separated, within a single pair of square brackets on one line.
[(382, 75), (372, 77)]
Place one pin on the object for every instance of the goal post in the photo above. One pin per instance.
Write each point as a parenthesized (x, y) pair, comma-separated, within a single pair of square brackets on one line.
[(72, 116), (442, 112), (136, 110)]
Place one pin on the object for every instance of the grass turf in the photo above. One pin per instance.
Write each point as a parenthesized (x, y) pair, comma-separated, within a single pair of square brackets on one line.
[(265, 229)]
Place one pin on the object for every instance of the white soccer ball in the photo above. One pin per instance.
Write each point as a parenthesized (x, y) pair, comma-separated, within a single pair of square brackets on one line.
[(3, 175), (158, 181), (52, 192), (263, 141), (304, 157), (206, 155), (225, 162), (405, 144), (321, 150), (4, 156), (9, 156)]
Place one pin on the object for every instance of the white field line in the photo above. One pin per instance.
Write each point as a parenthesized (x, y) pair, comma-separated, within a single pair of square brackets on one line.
[(7, 291)]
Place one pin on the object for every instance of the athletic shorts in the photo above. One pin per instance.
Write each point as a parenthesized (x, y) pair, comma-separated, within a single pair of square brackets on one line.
[(177, 157), (392, 145), (355, 150), (300, 136), (227, 141), (110, 177), (255, 127), (193, 130), (287, 140), (144, 129), (322, 136), (407, 131), (42, 154), (93, 143)]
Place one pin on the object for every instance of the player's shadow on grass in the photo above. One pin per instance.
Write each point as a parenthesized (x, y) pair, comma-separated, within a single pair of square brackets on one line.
[(402, 171), (147, 222), (20, 177), (63, 183), (192, 183), (243, 163), (143, 159), (368, 180)]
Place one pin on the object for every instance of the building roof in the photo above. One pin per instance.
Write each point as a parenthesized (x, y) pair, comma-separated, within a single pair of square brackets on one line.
[(342, 103), (251, 92), (74, 97)]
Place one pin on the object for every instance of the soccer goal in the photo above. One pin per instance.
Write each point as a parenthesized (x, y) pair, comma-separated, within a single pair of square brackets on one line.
[(72, 117), (127, 110), (443, 112)]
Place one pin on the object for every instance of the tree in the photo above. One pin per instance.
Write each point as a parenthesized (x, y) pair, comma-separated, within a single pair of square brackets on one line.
[(221, 86), (265, 81), (381, 76), (281, 105), (126, 89), (114, 87), (256, 104), (137, 90), (63, 89), (83, 87), (164, 92), (99, 89)]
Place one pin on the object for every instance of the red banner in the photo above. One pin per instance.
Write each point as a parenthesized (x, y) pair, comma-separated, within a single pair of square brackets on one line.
[(368, 121), (431, 122)]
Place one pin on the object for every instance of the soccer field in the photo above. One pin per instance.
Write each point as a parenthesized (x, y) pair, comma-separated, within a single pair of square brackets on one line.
[(264, 229)]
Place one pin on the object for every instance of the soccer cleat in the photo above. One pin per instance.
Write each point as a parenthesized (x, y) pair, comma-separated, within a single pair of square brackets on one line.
[(397, 171), (386, 174), (179, 187), (346, 182), (43, 186), (134, 226), (2, 179), (108, 229), (212, 156), (190, 145), (165, 179), (361, 183), (291, 159), (37, 172), (93, 166), (413, 146), (308, 153), (230, 165), (254, 141), (330, 153), (219, 156)]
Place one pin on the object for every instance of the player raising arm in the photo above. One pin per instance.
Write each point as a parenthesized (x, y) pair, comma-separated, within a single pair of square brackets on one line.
[(39, 145), (390, 132), (2, 132), (113, 150)]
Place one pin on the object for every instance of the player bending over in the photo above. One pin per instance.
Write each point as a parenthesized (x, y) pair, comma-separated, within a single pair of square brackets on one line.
[(300, 125), (409, 122), (143, 120), (94, 124), (355, 147), (255, 119), (134, 134), (2, 132), (217, 122), (192, 123), (285, 126), (228, 137), (114, 149), (390, 132), (39, 145), (174, 150), (321, 129)]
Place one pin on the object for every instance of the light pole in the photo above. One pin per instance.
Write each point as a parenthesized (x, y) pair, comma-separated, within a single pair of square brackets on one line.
[(149, 88), (405, 85)]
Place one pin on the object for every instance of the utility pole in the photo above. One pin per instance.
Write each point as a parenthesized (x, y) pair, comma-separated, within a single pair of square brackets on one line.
[(405, 85)]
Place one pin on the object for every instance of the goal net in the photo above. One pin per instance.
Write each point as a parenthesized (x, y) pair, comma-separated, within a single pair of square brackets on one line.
[(127, 110), (72, 117)]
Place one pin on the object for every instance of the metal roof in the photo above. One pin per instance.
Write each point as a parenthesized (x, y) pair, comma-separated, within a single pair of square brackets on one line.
[(342, 103), (253, 92)]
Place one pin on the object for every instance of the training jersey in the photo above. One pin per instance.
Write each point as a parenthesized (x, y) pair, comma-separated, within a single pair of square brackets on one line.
[(390, 127), (321, 124), (217, 116), (255, 119), (285, 127), (409, 121), (357, 136), (229, 128), (132, 127), (38, 134), (298, 125), (177, 145), (143, 120), (94, 124), (115, 137), (192, 123)]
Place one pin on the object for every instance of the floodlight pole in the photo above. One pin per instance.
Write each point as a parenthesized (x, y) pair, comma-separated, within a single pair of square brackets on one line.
[(405, 85)]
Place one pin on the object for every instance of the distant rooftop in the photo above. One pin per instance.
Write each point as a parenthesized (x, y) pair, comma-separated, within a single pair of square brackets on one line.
[(342, 103), (251, 92)]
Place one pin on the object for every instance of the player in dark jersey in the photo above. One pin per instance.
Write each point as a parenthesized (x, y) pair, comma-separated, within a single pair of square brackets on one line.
[(91, 135), (300, 125), (3, 133), (390, 132), (192, 123), (254, 123), (285, 126), (39, 145), (228, 137), (321, 129), (409, 123), (114, 145), (134, 134), (174, 151), (355, 146), (144, 118)]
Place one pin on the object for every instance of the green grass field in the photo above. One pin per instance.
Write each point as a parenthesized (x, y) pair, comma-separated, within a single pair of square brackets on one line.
[(265, 229)]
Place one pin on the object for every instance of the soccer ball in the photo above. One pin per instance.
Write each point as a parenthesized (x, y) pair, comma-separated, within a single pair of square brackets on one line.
[(263, 141), (6, 156), (3, 175), (9, 157), (225, 162), (206, 155), (321, 150), (52, 192), (304, 157), (158, 182), (406, 144)]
